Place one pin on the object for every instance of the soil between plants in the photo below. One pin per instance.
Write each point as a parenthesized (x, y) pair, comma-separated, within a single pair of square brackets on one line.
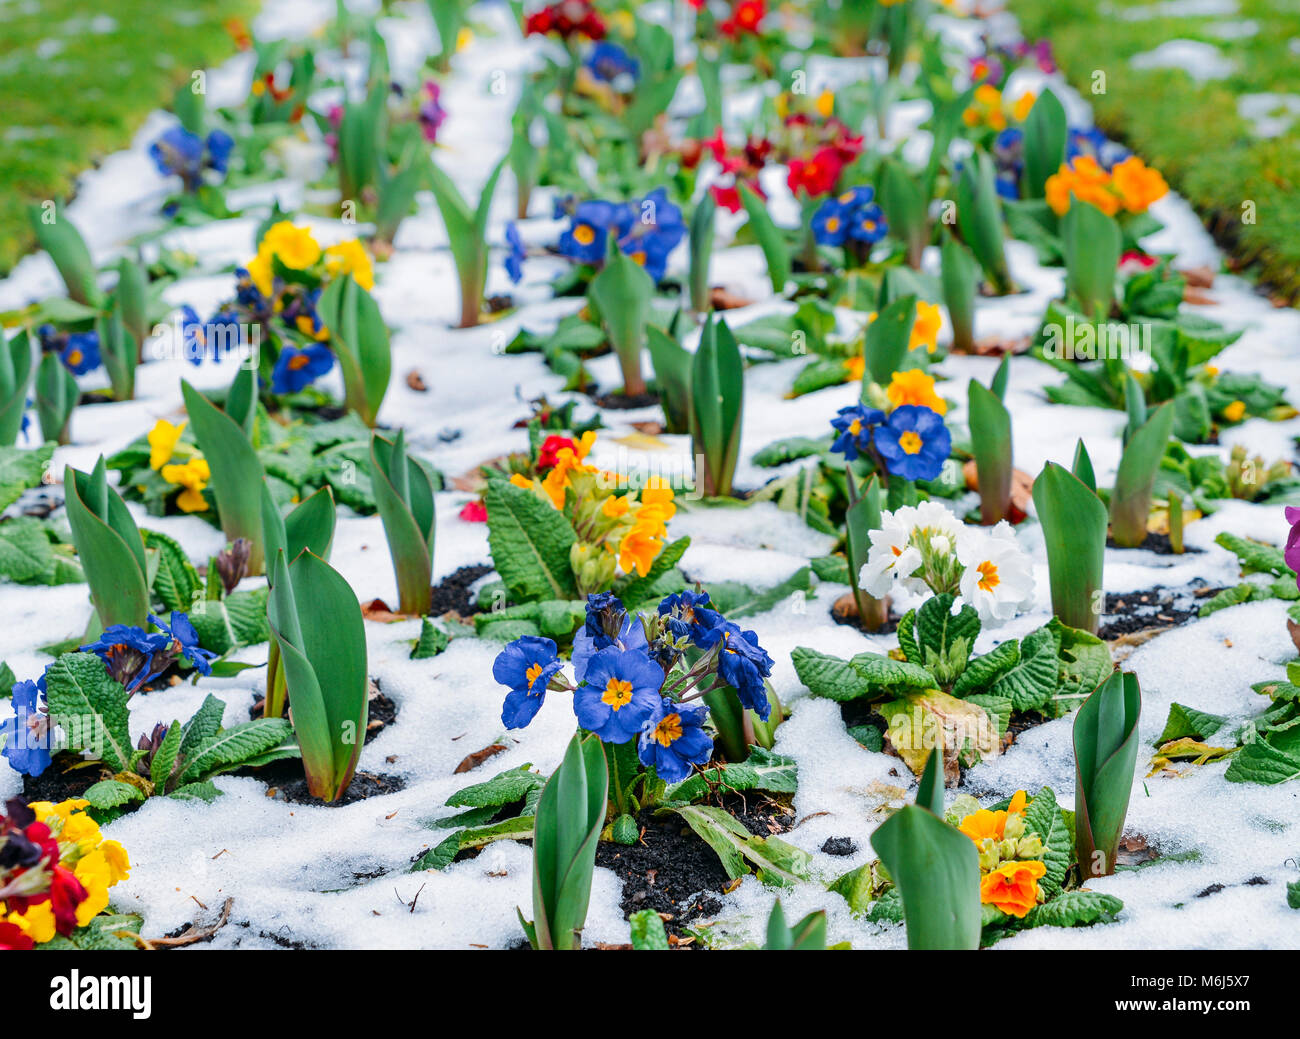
[(382, 712), (1130, 612), (623, 402), (285, 781), (61, 781), (451, 594), (1157, 543), (673, 871)]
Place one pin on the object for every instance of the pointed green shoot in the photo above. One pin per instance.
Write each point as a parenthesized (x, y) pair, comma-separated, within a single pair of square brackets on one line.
[(359, 339), (15, 375), (979, 218), (935, 868), (467, 231), (672, 365), (570, 815), (405, 499), (959, 277), (119, 352), (1130, 501), (701, 245), (109, 547), (132, 296), (905, 209), (316, 622), (236, 472), (1105, 754), (769, 237), (860, 519), (622, 292), (56, 397), (59, 237), (990, 433), (886, 341), (717, 407), (1045, 135), (805, 936), (1091, 243), (1074, 529)]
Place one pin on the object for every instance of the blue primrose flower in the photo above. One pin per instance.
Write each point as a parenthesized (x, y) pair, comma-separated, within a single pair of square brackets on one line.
[(868, 224), (185, 641), (517, 254), (656, 230), (743, 664), (854, 425), (914, 443), (590, 225), (830, 225), (187, 155), (132, 655), (526, 666), (851, 214), (689, 615), (608, 624), (608, 61), (620, 694), (219, 146), (296, 369), (674, 739), (1092, 142), (26, 736)]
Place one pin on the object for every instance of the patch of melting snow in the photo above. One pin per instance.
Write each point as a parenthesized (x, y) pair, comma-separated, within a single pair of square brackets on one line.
[(1202, 61), (337, 876), (1176, 9), (1269, 115)]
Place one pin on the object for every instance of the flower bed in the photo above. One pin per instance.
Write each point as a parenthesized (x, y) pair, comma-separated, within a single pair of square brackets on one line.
[(609, 495)]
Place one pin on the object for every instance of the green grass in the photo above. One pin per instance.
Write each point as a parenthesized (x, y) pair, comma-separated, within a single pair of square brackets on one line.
[(1191, 131), (77, 78)]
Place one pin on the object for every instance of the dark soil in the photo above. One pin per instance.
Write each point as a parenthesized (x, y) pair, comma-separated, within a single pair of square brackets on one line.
[(382, 713), (839, 846), (673, 872), (62, 780), (293, 788), (451, 594), (1157, 543), (1213, 889), (852, 620), (1130, 612), (623, 402)]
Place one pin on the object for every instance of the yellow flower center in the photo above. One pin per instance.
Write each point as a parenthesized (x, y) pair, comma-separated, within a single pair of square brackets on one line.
[(910, 442), (583, 234), (74, 357), (534, 670), (298, 361), (618, 693), (833, 224), (669, 731), (988, 576), (855, 427)]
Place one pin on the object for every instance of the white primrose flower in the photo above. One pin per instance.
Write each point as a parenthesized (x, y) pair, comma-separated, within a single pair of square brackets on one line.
[(998, 579), (896, 548)]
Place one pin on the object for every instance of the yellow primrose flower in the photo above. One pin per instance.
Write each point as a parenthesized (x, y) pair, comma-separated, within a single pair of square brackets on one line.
[(350, 257), (826, 104), (95, 877), (854, 367), (1234, 411), (1013, 887), (37, 922), (915, 387), (260, 272), (293, 246), (637, 550), (119, 865), (1020, 110), (925, 329), (659, 494), (615, 507), (464, 38), (163, 439), (193, 476), (47, 811), (519, 480)]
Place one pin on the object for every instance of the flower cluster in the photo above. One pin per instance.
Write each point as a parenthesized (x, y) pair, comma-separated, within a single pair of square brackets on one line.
[(1131, 185), (994, 64), (188, 156), (133, 656), (815, 146), (28, 735), (850, 216), (745, 18), (1096, 145), (1011, 857), (609, 63), (55, 871), (910, 439), (636, 676), (925, 547), (738, 166), (191, 473), (79, 351), (567, 19), (647, 230), (615, 527), (990, 108)]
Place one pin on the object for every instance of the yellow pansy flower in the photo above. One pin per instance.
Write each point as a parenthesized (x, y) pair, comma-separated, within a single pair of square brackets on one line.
[(163, 439), (925, 329), (260, 272), (293, 246), (915, 387), (350, 257), (193, 476), (37, 922)]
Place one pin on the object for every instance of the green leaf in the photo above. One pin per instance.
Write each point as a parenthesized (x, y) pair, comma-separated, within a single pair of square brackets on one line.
[(316, 621), (90, 707), (1074, 529), (672, 366), (109, 547), (202, 727), (648, 930), (236, 471), (622, 293), (762, 770), (359, 339), (59, 237), (432, 641), (1261, 762), (502, 789), (405, 498), (112, 793), (530, 544), (1043, 817), (1084, 663), (886, 341), (1187, 721), (231, 748), (984, 670), (57, 394), (15, 375), (1045, 134), (1031, 683), (176, 583), (1130, 501), (990, 428), (166, 756), (20, 469), (828, 676), (1255, 556), (1075, 909), (1105, 753), (769, 236), (717, 407), (777, 863), (237, 620), (1091, 242), (570, 816)]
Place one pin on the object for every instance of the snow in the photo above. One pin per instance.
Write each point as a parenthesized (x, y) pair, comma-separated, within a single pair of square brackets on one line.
[(338, 876), (1202, 61)]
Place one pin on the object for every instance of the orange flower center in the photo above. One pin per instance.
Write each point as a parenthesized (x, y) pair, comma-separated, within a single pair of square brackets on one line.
[(618, 693), (910, 442), (989, 578), (532, 674), (669, 731), (584, 234)]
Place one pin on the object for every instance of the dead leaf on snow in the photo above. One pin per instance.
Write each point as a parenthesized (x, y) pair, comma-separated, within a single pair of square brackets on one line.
[(472, 761)]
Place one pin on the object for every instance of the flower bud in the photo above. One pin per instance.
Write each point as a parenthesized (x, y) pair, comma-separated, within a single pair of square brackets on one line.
[(1014, 828)]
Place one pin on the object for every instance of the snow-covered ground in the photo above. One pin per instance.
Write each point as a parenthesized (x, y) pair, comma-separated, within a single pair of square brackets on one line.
[(295, 872)]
